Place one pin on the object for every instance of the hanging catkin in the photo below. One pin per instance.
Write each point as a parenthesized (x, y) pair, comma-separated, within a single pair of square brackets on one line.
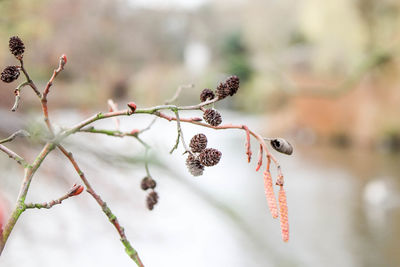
[(269, 193), (283, 210)]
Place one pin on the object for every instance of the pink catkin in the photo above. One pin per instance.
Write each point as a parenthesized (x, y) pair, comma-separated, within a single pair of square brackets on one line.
[(283, 210), (269, 193)]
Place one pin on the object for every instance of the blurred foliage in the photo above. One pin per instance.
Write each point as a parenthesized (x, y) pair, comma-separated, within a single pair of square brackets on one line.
[(287, 53), (236, 57)]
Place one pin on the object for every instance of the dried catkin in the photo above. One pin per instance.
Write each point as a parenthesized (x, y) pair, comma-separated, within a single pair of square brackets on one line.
[(283, 210), (269, 193)]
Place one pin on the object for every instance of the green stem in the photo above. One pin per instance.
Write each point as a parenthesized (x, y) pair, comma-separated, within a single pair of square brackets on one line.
[(20, 206)]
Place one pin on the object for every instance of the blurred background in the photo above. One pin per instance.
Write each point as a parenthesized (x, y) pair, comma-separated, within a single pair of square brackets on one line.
[(323, 74)]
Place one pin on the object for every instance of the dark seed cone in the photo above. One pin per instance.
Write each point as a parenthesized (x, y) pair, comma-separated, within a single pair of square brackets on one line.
[(148, 182), (151, 200), (212, 117), (17, 47), (198, 143), (210, 157), (194, 166), (233, 84), (222, 90), (10, 74), (206, 94)]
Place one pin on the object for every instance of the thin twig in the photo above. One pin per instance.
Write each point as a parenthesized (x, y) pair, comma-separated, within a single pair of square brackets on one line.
[(17, 93), (48, 205), (112, 106), (46, 91), (260, 158), (248, 149), (11, 154), (28, 79), (178, 92), (113, 219), (19, 133), (179, 129)]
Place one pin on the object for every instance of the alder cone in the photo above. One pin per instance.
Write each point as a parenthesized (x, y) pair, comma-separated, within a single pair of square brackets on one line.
[(212, 117), (198, 143), (152, 199), (148, 182), (10, 74), (16, 46), (210, 157), (206, 94), (194, 166), (233, 84), (222, 90)]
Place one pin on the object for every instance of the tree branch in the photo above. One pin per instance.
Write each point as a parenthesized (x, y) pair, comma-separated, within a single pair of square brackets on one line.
[(112, 218)]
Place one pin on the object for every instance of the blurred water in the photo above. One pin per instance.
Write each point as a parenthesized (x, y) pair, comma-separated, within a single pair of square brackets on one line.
[(344, 206)]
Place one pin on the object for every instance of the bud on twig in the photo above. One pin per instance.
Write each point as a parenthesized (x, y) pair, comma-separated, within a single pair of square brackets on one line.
[(63, 61), (132, 107), (75, 190)]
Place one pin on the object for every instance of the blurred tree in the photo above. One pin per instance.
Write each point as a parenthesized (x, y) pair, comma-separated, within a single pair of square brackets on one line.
[(235, 56)]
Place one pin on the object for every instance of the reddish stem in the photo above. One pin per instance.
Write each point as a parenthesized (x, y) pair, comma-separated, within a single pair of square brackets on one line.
[(113, 219), (248, 149), (260, 158)]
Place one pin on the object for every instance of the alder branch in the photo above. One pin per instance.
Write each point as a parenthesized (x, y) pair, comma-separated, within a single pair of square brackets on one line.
[(132, 253), (46, 91), (20, 205)]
